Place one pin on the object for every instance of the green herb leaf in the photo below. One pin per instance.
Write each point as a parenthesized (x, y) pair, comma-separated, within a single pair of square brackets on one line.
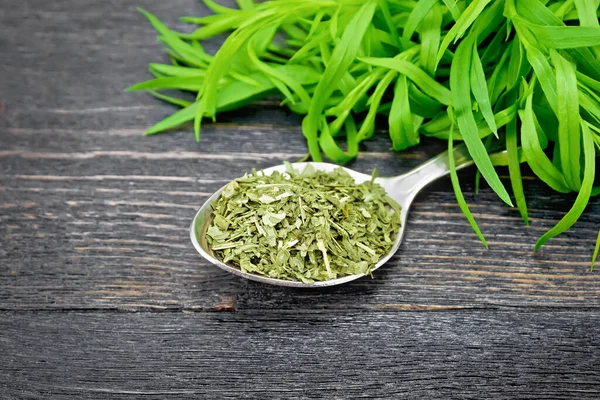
[(458, 192), (416, 17), (415, 74), (402, 128), (343, 54), (465, 20), (461, 96), (568, 120), (596, 251), (584, 194), (480, 91), (537, 160), (514, 169)]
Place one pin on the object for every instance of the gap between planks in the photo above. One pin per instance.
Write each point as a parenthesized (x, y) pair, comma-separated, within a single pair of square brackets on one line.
[(185, 155)]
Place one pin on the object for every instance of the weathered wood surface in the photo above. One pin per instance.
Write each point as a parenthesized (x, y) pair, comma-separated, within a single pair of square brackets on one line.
[(94, 219), (319, 354)]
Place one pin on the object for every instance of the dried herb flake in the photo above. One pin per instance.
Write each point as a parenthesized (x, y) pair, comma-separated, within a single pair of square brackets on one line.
[(304, 225)]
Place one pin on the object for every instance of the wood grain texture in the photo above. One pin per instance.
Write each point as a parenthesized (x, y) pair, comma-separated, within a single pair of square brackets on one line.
[(94, 229), (93, 221), (258, 355)]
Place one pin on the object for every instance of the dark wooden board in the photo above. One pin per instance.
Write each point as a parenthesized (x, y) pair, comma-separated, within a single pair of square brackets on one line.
[(319, 354), (92, 220), (94, 224)]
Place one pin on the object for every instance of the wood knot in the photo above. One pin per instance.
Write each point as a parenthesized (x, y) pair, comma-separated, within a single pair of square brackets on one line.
[(227, 304)]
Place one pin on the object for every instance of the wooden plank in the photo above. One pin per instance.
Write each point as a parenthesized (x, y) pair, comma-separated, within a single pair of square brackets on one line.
[(76, 57), (264, 354)]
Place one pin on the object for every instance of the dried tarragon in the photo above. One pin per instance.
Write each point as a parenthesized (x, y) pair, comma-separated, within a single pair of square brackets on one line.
[(304, 225)]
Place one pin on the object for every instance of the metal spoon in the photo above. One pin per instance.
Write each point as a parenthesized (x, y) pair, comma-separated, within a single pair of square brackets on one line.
[(402, 188)]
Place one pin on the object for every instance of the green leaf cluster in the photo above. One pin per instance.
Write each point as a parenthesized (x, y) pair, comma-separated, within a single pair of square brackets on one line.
[(521, 75)]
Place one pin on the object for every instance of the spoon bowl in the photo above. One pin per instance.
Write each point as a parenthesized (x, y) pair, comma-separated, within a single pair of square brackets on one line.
[(402, 189)]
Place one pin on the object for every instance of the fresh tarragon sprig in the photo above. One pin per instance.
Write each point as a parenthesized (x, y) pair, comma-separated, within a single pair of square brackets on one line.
[(303, 225), (522, 75)]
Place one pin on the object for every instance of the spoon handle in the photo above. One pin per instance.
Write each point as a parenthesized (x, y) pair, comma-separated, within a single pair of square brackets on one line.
[(403, 188)]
